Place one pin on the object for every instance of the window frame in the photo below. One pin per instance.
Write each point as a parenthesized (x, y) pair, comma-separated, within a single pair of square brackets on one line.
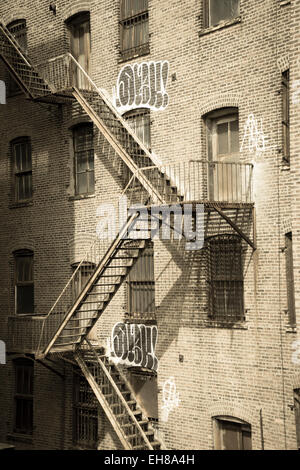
[(22, 396), (85, 410), (218, 421), (290, 285), (207, 15), (13, 88), (230, 284), (141, 285), (133, 20), (75, 129), (18, 174), (22, 254), (285, 89)]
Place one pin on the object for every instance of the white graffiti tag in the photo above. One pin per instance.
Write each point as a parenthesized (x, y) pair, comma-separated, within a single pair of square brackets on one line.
[(170, 398), (133, 345), (254, 138), (142, 86), (2, 92)]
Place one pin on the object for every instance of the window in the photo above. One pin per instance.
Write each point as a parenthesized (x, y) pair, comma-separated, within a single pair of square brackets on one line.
[(232, 434), (286, 115), (134, 28), (139, 121), (81, 277), (22, 169), (85, 414), (23, 398), (19, 31), (217, 11), (24, 286), (80, 46), (141, 286), (290, 278), (297, 414), (84, 159), (223, 153), (226, 286)]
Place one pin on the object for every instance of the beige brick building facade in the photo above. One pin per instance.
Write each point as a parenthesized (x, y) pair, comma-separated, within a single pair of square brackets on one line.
[(238, 380)]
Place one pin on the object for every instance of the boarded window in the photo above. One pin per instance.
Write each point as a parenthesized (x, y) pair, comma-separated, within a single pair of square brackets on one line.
[(19, 31), (83, 141), (216, 11), (24, 285), (232, 434), (226, 285), (22, 169), (134, 28), (85, 414), (23, 397), (80, 45), (290, 278), (141, 286), (286, 116)]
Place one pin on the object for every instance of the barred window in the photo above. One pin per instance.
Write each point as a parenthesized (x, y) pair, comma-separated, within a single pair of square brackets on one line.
[(83, 141), (24, 284), (232, 434), (134, 28), (85, 414), (216, 11), (286, 115), (23, 396), (226, 299), (19, 31), (141, 286), (22, 169)]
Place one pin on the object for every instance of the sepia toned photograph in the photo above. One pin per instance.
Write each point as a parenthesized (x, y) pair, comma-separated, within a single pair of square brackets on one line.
[(149, 227)]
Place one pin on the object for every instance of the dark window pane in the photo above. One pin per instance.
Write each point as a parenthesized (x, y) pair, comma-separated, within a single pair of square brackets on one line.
[(222, 130), (290, 278), (220, 10), (84, 158), (234, 136), (25, 299)]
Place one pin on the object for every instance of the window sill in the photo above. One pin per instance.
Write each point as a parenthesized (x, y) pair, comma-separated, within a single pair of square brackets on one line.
[(222, 25), (291, 329), (242, 325), (134, 55), (82, 196), (16, 205), (28, 439)]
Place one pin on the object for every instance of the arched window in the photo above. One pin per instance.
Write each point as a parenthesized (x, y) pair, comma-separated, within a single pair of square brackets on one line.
[(23, 396), (83, 144), (231, 433), (222, 129), (22, 169), (18, 29), (226, 285), (80, 45), (24, 282)]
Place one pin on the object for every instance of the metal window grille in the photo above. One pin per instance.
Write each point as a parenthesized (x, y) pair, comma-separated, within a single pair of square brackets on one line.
[(23, 397), (134, 24), (286, 115), (85, 414), (83, 141), (24, 285), (226, 299), (22, 164), (141, 286)]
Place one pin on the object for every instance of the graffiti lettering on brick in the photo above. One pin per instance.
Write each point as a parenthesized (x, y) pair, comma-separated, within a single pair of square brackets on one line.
[(133, 345), (296, 353), (2, 352), (142, 86), (254, 140), (2, 92), (170, 398)]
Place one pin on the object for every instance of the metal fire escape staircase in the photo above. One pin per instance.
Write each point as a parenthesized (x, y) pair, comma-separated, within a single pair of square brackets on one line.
[(75, 320)]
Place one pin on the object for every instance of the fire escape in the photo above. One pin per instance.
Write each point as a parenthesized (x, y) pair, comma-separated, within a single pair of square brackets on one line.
[(65, 328)]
